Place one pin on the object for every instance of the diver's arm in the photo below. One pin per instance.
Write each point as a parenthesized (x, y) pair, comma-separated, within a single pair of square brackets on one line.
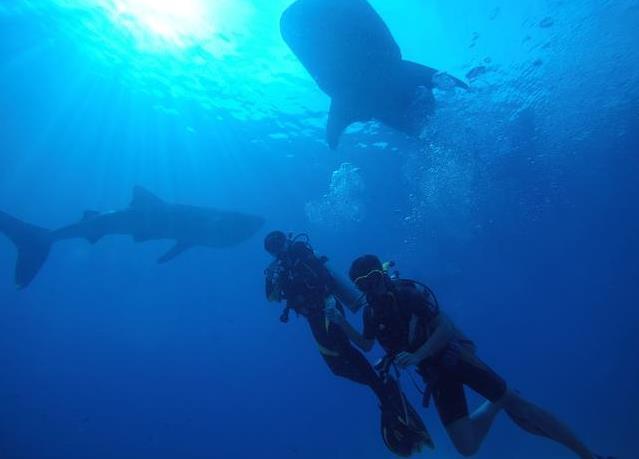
[(353, 335), (356, 337), (444, 332)]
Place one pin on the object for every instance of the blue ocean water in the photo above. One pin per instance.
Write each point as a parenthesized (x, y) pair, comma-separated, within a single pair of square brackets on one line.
[(516, 205)]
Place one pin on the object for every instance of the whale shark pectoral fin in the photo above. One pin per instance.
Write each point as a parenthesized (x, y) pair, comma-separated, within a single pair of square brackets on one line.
[(144, 199), (459, 83), (420, 75), (175, 251), (339, 118), (414, 74)]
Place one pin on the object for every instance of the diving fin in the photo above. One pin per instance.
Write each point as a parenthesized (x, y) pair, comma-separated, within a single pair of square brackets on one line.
[(177, 250), (403, 430), (33, 244)]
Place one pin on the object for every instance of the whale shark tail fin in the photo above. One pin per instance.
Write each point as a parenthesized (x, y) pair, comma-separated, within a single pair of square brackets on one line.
[(33, 244)]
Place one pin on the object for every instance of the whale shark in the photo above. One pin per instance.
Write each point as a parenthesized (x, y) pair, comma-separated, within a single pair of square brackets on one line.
[(147, 218), (352, 56)]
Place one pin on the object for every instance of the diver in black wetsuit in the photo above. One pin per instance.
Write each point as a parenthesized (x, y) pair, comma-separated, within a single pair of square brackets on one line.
[(404, 317), (301, 279)]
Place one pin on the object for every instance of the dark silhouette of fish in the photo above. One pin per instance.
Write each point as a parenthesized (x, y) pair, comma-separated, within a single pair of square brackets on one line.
[(352, 56), (147, 218)]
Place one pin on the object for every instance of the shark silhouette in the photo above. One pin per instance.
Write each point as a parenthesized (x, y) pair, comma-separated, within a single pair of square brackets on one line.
[(352, 56), (147, 218)]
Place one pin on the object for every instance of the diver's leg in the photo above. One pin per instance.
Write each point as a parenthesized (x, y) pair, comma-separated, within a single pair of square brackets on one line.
[(537, 421), (482, 420), (341, 366), (453, 410), (469, 432), (342, 358), (351, 364), (474, 428), (450, 400)]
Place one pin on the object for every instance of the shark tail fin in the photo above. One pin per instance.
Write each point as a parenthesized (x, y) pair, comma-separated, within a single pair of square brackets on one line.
[(33, 244)]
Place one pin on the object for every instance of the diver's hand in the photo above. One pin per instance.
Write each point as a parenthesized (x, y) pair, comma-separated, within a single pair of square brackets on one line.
[(330, 302), (333, 314), (406, 359)]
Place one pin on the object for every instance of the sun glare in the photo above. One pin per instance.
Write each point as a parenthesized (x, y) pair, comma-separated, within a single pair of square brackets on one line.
[(178, 23)]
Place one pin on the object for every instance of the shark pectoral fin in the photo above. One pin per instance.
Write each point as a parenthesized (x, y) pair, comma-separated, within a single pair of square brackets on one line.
[(144, 199), (421, 75), (414, 74), (339, 118), (459, 83), (177, 249)]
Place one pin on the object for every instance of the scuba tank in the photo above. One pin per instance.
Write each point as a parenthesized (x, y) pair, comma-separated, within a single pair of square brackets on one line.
[(308, 268)]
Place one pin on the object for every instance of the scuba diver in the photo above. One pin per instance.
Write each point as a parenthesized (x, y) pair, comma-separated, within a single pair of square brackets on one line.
[(405, 318), (301, 279)]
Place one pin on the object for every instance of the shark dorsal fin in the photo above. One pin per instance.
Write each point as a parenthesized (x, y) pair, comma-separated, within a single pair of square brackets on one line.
[(144, 199), (176, 250), (89, 214)]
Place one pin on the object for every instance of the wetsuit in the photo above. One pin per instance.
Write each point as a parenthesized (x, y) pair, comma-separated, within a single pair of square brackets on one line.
[(402, 321), (305, 284)]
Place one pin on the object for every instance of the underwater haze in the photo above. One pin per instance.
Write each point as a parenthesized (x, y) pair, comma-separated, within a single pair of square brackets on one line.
[(517, 205)]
